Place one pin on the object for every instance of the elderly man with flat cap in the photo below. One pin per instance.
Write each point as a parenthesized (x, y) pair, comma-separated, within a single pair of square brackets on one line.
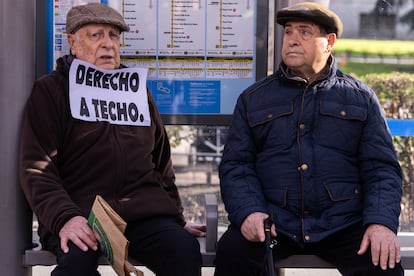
[(66, 161), (309, 148)]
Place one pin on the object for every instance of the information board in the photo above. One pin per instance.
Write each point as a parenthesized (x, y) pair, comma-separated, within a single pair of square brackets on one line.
[(200, 54)]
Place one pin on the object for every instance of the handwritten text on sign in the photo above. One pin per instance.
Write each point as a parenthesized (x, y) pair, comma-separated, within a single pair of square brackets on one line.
[(115, 96)]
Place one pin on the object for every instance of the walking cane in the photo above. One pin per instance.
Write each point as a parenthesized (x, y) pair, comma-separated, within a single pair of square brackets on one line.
[(270, 244)]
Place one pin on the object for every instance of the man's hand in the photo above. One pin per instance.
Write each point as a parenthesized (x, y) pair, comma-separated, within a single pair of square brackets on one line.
[(252, 227), (385, 249), (78, 231), (197, 230)]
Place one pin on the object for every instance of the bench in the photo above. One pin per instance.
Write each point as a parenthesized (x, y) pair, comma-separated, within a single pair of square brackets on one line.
[(37, 256)]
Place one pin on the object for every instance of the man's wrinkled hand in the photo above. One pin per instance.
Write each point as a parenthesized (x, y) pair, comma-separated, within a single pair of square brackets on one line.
[(77, 231), (252, 227), (385, 249), (197, 230)]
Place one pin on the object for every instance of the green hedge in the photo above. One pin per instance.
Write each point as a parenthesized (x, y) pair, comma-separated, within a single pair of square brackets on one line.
[(396, 94), (374, 48), (395, 91)]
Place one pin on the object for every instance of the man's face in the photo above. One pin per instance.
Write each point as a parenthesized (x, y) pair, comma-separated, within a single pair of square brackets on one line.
[(305, 49), (97, 44)]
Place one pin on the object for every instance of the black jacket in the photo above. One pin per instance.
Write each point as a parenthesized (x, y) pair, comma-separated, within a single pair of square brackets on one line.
[(66, 162)]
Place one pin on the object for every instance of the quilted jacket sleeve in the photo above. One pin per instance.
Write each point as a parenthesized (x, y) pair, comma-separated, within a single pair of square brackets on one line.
[(380, 171), (240, 186)]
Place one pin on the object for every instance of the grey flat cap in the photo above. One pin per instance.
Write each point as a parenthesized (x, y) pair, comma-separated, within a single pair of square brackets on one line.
[(313, 12), (93, 13)]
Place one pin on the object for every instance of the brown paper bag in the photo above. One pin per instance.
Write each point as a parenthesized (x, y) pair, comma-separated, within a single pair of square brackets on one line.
[(109, 230)]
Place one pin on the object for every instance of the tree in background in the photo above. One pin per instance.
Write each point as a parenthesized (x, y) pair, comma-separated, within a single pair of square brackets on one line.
[(384, 7)]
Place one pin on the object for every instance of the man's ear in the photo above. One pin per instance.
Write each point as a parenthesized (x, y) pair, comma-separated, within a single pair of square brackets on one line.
[(71, 42), (331, 41)]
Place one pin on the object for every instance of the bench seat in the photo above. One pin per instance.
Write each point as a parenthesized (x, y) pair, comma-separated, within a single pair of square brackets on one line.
[(36, 256)]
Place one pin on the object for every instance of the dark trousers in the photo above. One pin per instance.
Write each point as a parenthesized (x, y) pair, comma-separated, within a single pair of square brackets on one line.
[(161, 244), (237, 256)]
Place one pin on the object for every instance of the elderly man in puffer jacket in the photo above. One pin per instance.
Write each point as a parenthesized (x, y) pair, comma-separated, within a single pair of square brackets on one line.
[(310, 148)]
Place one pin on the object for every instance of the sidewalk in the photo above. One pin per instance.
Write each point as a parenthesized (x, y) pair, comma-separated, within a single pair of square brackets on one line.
[(107, 271)]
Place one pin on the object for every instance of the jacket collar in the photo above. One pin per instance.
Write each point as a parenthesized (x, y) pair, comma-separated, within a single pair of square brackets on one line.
[(63, 63), (329, 71)]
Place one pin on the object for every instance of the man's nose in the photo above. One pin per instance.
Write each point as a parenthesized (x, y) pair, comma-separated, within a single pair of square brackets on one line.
[(293, 38), (107, 41)]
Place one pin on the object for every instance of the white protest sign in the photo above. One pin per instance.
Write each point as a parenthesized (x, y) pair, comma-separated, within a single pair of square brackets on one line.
[(115, 96)]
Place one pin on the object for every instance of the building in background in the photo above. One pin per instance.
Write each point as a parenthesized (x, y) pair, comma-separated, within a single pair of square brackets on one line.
[(352, 11)]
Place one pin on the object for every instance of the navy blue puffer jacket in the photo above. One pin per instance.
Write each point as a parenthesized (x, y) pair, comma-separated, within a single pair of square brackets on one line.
[(317, 157)]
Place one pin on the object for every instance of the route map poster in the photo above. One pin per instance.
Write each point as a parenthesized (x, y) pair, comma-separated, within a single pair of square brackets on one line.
[(200, 54)]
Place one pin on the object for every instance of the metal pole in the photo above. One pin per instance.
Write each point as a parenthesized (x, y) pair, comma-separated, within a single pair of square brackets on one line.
[(17, 66), (278, 34), (262, 31)]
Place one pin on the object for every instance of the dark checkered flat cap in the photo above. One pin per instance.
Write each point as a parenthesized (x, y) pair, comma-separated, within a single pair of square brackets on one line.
[(95, 13), (313, 12)]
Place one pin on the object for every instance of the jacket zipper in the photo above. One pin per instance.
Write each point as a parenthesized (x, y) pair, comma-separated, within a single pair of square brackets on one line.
[(119, 161)]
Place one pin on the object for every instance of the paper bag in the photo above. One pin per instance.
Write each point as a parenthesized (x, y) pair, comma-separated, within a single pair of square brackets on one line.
[(109, 230)]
